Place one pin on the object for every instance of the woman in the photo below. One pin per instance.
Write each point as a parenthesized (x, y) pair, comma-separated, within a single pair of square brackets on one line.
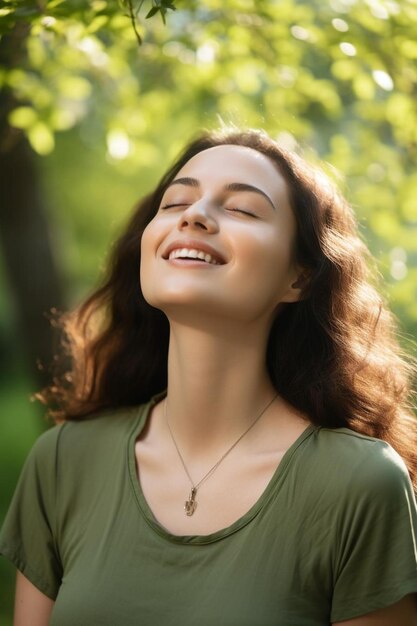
[(224, 453)]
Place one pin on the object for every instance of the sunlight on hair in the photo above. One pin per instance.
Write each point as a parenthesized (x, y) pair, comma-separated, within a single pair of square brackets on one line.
[(287, 141)]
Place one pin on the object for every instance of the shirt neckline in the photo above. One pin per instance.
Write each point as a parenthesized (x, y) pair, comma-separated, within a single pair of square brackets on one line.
[(146, 511)]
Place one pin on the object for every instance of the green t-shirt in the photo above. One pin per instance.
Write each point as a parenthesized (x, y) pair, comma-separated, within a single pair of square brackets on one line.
[(332, 537)]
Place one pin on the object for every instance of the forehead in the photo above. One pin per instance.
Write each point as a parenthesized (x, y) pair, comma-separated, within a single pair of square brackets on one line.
[(231, 163)]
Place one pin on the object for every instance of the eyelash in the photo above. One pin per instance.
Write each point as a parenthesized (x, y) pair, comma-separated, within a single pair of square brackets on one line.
[(242, 211), (170, 206)]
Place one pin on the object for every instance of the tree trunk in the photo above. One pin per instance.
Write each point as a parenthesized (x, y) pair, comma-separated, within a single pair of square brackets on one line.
[(24, 231)]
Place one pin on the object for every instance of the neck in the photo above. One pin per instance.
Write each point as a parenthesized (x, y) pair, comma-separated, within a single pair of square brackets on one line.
[(217, 385)]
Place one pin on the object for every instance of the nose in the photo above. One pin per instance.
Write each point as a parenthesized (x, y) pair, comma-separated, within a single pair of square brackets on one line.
[(199, 217)]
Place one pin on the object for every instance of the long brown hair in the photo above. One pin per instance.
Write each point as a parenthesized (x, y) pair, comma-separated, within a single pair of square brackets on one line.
[(333, 355)]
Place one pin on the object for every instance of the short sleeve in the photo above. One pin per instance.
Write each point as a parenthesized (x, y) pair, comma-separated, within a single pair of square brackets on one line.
[(376, 562), (27, 534)]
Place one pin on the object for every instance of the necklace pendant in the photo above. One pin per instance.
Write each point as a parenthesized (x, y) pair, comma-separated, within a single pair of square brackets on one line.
[(190, 504)]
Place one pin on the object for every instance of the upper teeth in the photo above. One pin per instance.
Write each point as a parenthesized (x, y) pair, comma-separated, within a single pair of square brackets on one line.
[(192, 253)]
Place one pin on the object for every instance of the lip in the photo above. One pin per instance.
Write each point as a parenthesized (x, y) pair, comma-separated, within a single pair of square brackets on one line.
[(196, 244)]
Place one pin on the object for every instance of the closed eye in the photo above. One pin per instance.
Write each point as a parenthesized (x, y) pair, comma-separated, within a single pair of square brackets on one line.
[(235, 209), (242, 211), (170, 206)]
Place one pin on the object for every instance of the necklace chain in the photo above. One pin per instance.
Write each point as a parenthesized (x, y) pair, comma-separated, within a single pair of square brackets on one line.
[(191, 504)]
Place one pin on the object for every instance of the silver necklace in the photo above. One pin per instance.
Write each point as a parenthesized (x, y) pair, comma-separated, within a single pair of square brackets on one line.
[(190, 505)]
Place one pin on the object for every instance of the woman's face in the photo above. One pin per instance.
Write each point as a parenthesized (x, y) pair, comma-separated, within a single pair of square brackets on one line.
[(231, 202)]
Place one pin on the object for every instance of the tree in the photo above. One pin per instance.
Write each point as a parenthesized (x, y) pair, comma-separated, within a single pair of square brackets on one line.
[(338, 76), (25, 235)]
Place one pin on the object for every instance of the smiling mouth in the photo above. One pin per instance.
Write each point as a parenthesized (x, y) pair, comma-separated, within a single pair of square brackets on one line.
[(192, 255)]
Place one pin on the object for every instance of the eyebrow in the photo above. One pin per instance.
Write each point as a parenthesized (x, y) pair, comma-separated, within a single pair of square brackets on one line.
[(193, 182)]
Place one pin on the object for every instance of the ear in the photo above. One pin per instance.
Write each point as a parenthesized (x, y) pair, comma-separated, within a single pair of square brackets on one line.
[(295, 289)]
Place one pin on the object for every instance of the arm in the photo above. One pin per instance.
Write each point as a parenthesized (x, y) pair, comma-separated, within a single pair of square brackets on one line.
[(402, 613), (32, 607)]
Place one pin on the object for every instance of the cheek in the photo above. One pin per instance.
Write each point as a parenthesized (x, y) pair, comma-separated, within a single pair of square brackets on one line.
[(264, 273), (269, 254), (147, 236), (148, 249), (151, 240)]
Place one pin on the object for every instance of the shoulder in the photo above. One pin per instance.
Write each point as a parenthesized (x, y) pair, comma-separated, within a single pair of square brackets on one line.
[(102, 431), (104, 423), (357, 452), (344, 462), (372, 522), (43, 451), (89, 437)]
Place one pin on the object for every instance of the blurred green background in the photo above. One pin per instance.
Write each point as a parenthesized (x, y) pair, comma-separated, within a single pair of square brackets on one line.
[(93, 109)]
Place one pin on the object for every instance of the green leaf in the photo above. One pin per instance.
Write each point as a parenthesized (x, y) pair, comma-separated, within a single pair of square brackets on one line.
[(52, 4), (74, 87), (23, 117), (41, 138), (152, 12), (97, 23)]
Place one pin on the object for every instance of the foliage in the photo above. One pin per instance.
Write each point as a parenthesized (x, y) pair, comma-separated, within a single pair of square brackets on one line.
[(340, 76), (108, 114)]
